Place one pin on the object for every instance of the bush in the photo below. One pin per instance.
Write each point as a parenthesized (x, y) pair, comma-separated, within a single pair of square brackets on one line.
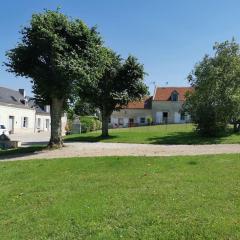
[(149, 120), (215, 101), (208, 124), (90, 123)]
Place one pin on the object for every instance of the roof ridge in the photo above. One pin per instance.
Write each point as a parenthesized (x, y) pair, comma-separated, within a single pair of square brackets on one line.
[(175, 87), (9, 89)]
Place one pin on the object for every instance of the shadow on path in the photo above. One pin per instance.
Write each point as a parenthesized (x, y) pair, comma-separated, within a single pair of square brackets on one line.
[(80, 138), (21, 152)]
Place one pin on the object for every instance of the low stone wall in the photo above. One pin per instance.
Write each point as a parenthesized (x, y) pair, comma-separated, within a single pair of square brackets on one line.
[(9, 144)]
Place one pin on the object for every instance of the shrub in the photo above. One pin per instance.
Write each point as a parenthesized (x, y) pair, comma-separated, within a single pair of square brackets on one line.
[(90, 123), (215, 101), (149, 120)]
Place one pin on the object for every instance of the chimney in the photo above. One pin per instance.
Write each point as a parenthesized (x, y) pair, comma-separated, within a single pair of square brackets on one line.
[(47, 108), (22, 92)]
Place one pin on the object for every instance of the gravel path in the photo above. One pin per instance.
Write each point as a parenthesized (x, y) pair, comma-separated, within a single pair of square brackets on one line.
[(78, 149)]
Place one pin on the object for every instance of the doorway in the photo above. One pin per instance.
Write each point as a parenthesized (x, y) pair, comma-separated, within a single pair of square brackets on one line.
[(131, 122), (165, 117), (11, 124)]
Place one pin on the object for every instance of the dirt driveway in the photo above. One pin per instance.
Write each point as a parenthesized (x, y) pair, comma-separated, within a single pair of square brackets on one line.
[(78, 149)]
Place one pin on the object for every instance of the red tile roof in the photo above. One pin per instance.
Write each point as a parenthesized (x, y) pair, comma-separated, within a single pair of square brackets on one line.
[(145, 103), (164, 93)]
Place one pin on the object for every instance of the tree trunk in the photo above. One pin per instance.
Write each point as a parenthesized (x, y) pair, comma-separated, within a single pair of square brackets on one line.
[(105, 120), (56, 109), (235, 127)]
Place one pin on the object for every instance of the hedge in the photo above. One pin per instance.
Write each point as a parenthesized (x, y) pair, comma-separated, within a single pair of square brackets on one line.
[(90, 123)]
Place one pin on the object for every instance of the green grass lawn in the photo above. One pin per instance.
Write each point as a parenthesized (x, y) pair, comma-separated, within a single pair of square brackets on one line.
[(194, 197), (21, 151), (161, 134)]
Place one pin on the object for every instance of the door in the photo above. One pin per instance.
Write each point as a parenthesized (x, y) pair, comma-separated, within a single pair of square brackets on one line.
[(177, 117), (11, 125), (158, 117), (131, 122)]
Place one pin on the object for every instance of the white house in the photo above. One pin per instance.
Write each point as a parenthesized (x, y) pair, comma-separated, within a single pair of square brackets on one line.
[(20, 114), (163, 107)]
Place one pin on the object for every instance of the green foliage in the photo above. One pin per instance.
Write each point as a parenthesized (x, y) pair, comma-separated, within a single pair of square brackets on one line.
[(55, 51), (81, 108), (191, 197), (121, 82), (90, 123), (216, 99), (149, 120)]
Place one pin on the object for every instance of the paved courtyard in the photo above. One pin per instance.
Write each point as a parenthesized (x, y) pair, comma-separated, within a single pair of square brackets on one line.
[(29, 139)]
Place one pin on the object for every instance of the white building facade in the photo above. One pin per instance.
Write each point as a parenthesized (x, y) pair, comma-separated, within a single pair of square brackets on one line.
[(20, 114), (17, 119), (164, 107)]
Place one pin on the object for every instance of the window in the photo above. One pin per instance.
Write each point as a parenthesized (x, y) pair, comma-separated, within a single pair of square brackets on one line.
[(174, 97), (142, 120), (182, 117), (47, 123), (120, 121), (25, 122), (39, 123)]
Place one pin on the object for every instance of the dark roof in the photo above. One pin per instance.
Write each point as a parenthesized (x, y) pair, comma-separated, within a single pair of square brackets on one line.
[(10, 96), (16, 99), (32, 104), (164, 93)]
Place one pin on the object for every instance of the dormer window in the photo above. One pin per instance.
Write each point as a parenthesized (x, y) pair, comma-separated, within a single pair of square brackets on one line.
[(174, 96)]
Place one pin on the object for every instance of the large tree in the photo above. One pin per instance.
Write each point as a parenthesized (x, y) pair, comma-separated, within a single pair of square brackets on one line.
[(121, 82), (55, 51), (216, 99), (81, 108)]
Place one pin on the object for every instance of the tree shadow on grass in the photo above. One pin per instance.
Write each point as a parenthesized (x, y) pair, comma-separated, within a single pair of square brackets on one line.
[(20, 152), (82, 138), (188, 138)]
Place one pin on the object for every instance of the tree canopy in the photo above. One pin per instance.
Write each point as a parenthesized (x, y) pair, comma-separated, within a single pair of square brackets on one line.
[(121, 82), (215, 101), (54, 52), (81, 108)]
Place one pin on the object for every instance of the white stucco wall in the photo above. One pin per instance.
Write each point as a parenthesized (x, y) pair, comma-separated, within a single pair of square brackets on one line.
[(18, 114), (172, 108), (126, 114), (156, 113), (44, 125)]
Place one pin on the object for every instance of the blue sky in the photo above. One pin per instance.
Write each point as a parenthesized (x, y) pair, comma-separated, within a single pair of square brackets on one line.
[(168, 37)]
